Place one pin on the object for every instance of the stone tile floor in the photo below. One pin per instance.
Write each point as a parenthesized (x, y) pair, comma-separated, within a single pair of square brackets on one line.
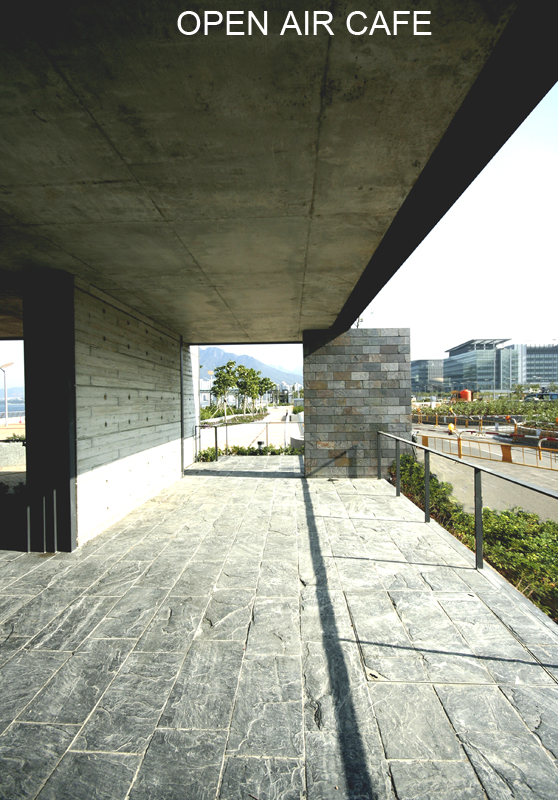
[(250, 634)]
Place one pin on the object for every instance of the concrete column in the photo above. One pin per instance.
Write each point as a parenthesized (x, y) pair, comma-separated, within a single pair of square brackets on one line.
[(355, 385)]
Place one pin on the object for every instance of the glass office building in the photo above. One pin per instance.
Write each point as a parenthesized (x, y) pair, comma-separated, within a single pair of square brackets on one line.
[(481, 364), (427, 375)]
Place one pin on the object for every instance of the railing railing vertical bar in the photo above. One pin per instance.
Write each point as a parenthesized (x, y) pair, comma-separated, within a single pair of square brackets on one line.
[(478, 519), (216, 445), (378, 453), (397, 468), (426, 486)]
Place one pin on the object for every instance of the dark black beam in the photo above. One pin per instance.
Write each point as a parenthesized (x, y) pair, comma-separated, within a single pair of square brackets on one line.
[(50, 410)]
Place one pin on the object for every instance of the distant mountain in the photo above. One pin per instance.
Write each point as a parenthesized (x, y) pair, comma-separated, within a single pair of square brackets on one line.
[(212, 357)]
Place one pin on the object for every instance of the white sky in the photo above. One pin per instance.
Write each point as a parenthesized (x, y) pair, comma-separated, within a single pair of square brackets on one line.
[(488, 269)]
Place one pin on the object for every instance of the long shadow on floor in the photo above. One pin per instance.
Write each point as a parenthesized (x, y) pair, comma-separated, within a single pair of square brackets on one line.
[(351, 746)]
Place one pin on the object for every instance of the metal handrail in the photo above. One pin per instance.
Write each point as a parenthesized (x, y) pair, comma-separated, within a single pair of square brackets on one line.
[(205, 426), (477, 483)]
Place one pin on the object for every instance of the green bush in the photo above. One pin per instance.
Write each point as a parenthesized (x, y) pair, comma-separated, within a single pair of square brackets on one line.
[(239, 419), (15, 438), (236, 450), (298, 410), (522, 547), (541, 411)]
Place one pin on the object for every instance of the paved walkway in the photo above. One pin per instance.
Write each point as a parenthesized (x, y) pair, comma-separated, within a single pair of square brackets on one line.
[(249, 634)]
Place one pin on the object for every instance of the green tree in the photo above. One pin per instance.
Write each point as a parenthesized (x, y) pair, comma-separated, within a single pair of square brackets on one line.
[(224, 379), (265, 385), (247, 383)]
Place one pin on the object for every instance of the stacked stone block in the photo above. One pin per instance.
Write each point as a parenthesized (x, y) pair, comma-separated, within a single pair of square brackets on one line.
[(354, 386)]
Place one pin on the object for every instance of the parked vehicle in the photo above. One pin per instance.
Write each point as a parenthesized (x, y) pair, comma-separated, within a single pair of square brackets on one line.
[(536, 396)]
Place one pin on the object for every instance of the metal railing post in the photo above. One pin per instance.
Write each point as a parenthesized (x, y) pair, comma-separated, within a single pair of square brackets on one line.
[(267, 434), (478, 519), (397, 468), (216, 445), (379, 455), (426, 486)]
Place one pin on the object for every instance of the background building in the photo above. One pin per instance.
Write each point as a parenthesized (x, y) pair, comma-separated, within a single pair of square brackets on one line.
[(486, 365), (427, 375), (537, 363)]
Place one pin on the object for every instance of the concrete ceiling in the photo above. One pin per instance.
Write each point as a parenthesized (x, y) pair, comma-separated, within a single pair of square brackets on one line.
[(235, 188)]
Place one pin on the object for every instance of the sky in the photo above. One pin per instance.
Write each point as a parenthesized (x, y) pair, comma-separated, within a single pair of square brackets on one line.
[(489, 269)]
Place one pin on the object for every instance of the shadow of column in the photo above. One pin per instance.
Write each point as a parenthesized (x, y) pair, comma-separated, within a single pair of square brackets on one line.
[(351, 747)]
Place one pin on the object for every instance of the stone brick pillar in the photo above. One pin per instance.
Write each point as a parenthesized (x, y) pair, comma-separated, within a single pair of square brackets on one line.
[(354, 386)]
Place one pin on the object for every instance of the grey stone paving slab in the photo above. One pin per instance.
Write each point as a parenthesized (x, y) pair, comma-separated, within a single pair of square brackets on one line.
[(504, 753), (267, 717), (130, 616), (434, 780), (10, 645), (204, 692), (426, 622), (377, 626), (45, 575), (239, 573), (70, 696), (38, 611), (174, 625), (109, 773), (538, 708), (357, 572), (164, 571), (350, 767), (118, 579), (69, 629), (412, 723), (406, 668), (22, 677), (319, 572), (21, 777), (548, 657), (324, 615), (524, 625), (278, 578), (228, 615), (180, 764), (229, 609), (442, 579), (335, 694), (127, 714), (85, 572), (270, 778), (9, 604), (275, 627), (199, 577), (400, 575)]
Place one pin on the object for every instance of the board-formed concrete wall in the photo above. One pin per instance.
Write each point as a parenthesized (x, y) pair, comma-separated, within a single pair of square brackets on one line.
[(354, 386), (128, 419)]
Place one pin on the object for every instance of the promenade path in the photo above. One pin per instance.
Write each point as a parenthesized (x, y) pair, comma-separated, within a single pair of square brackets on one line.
[(272, 430), (252, 634)]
